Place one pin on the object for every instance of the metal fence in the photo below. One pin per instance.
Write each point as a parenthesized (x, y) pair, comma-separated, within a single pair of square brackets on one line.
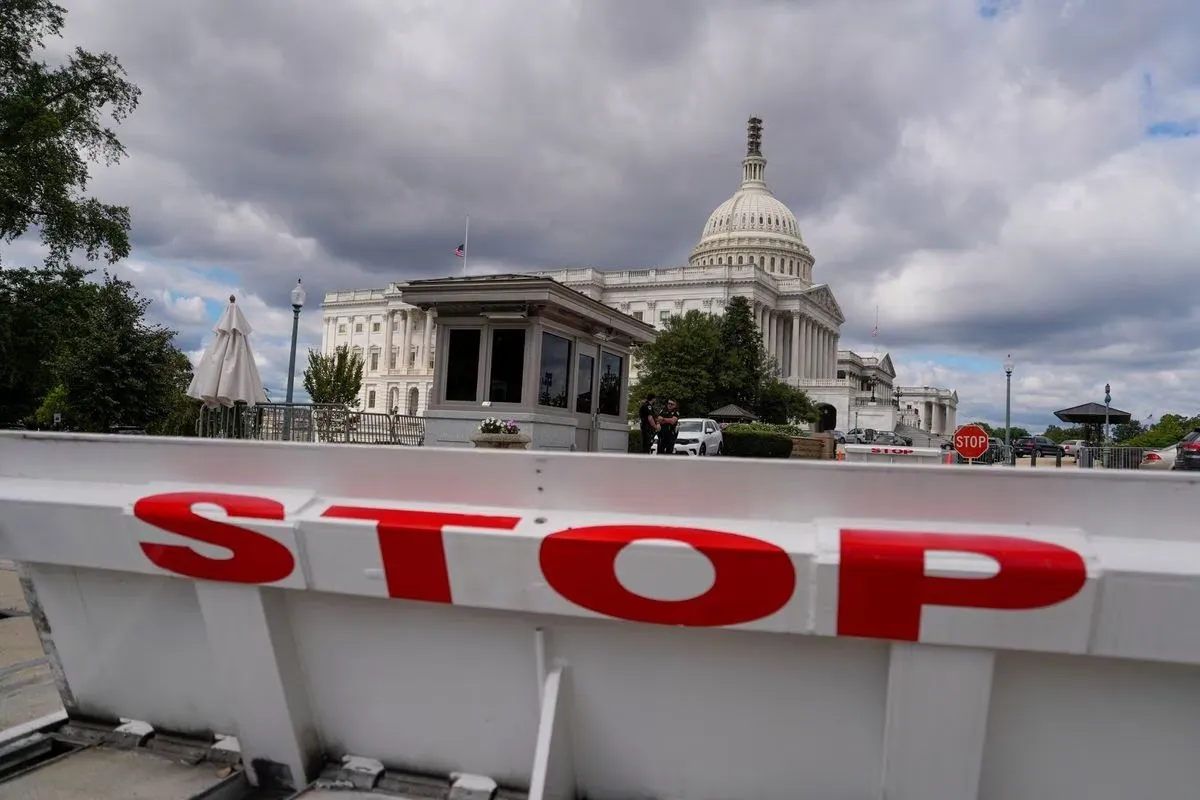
[(996, 456), (310, 422), (1109, 457)]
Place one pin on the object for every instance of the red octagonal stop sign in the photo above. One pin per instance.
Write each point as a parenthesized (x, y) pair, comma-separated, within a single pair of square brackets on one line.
[(970, 441)]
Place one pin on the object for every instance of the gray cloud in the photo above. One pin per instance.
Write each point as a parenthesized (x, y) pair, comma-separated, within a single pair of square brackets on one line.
[(985, 183)]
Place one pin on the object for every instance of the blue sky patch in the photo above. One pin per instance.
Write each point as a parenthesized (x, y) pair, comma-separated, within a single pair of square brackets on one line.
[(1174, 129), (213, 309), (221, 274), (991, 9)]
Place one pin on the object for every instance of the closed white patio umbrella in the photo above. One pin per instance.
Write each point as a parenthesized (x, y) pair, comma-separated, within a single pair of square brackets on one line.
[(227, 373)]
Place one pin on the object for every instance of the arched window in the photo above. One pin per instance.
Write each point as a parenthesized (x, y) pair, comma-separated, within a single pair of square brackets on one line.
[(414, 398), (772, 263), (739, 259), (720, 260)]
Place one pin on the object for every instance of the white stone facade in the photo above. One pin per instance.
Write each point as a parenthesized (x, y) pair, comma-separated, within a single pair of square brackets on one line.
[(395, 340), (929, 408)]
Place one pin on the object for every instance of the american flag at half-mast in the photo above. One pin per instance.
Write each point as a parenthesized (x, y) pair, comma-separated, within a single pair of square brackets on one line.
[(461, 250)]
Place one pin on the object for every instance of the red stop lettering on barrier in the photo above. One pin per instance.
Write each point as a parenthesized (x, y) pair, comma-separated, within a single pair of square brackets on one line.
[(410, 543), (882, 585), (256, 558), (753, 578)]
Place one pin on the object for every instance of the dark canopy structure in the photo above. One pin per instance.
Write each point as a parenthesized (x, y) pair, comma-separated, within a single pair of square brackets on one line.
[(1092, 417), (732, 413), (1092, 414)]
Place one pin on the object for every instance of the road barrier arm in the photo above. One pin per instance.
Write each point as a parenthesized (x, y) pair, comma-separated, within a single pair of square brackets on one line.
[(541, 619)]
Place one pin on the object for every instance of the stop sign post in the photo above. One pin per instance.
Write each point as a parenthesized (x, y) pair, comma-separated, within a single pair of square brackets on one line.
[(970, 442)]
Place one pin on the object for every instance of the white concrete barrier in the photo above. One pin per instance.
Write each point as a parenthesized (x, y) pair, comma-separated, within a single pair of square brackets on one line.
[(618, 626), (886, 454)]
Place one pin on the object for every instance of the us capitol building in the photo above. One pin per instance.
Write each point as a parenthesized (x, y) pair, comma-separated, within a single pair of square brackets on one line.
[(750, 246)]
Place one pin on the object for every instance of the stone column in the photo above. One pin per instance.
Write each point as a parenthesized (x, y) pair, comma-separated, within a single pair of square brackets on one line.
[(814, 343), (795, 354), (781, 321), (426, 342), (785, 344), (802, 336), (822, 351), (771, 334), (387, 343), (762, 324), (836, 339), (405, 344)]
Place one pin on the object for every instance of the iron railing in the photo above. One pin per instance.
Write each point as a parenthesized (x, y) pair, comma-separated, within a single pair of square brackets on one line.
[(996, 456), (310, 422), (1109, 457)]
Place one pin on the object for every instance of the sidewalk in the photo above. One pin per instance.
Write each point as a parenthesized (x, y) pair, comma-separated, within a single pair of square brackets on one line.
[(27, 690)]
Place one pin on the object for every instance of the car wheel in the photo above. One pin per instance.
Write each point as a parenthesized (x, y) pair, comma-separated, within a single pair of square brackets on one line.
[(703, 449), (721, 449)]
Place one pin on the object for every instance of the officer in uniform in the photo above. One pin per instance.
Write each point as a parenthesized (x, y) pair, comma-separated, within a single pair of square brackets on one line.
[(648, 418), (668, 429)]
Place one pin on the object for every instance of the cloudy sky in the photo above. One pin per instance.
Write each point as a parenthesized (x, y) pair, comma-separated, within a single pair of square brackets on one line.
[(995, 176)]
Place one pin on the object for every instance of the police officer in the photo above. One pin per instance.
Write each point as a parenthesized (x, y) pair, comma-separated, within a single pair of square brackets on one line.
[(648, 418), (668, 429)]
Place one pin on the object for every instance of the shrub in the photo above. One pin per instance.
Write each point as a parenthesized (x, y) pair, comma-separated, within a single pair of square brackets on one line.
[(635, 441), (757, 440), (767, 427)]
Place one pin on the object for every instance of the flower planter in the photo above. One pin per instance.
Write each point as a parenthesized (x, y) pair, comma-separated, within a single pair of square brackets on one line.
[(502, 441)]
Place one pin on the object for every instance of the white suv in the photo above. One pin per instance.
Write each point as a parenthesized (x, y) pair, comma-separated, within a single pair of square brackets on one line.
[(698, 437)]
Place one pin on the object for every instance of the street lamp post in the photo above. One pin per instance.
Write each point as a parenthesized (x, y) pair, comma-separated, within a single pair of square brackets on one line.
[(1107, 401), (1008, 370), (297, 304)]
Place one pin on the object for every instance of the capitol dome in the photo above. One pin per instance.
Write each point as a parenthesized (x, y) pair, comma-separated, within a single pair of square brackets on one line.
[(753, 227)]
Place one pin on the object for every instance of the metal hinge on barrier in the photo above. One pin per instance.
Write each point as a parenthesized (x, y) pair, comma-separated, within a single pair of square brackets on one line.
[(367, 774), (132, 734)]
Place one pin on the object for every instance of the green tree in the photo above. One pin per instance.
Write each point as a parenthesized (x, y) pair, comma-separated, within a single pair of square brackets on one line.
[(741, 363), (1125, 431), (1057, 433), (997, 431), (116, 367), (53, 404), (781, 404), (183, 415), (54, 121), (1168, 430), (334, 379), (681, 363), (39, 312), (705, 362)]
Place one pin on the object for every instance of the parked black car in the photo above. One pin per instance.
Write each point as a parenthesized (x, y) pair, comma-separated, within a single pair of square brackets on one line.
[(1187, 452), (1028, 445)]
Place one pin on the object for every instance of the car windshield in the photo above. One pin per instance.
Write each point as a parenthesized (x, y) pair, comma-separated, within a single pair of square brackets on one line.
[(690, 425)]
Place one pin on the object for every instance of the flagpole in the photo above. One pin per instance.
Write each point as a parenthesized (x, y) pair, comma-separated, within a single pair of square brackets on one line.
[(466, 242)]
